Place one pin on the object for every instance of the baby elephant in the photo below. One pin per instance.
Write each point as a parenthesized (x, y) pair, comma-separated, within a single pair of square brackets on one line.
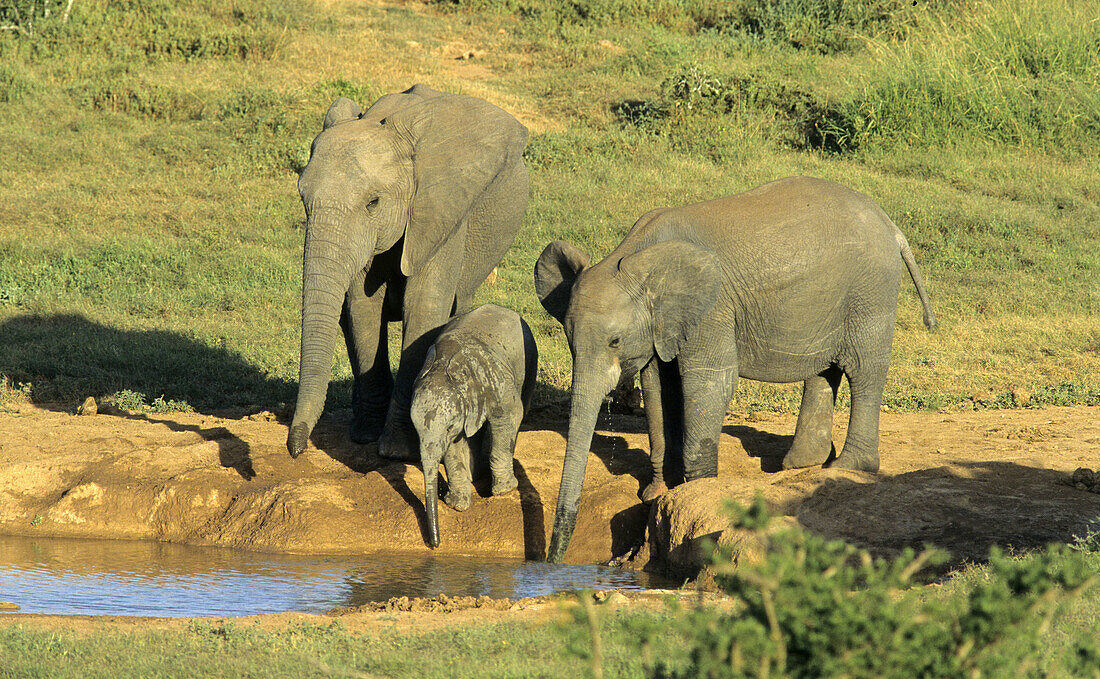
[(480, 369)]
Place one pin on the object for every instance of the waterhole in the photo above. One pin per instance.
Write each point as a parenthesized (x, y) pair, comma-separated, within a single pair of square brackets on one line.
[(109, 577)]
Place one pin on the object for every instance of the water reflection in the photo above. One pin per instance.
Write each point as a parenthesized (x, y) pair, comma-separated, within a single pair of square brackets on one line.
[(97, 577)]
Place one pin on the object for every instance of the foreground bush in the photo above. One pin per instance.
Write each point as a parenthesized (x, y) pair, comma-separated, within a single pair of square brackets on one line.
[(811, 607)]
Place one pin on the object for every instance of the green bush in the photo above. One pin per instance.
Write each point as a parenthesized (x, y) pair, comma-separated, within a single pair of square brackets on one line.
[(823, 26), (811, 607), (800, 119)]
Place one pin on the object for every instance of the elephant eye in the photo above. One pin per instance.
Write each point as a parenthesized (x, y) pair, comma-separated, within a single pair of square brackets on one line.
[(614, 343), (372, 204)]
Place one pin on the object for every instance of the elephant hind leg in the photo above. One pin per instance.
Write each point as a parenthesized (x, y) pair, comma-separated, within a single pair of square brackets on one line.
[(860, 450), (813, 435)]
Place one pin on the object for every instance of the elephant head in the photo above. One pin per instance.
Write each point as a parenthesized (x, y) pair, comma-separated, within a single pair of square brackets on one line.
[(617, 316), (403, 174)]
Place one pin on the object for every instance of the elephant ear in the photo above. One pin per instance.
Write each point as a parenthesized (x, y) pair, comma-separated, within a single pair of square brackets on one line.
[(555, 272), (341, 111), (681, 280), (460, 144), (474, 417)]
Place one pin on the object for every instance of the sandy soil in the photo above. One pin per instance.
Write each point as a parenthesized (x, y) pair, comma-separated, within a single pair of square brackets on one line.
[(962, 481)]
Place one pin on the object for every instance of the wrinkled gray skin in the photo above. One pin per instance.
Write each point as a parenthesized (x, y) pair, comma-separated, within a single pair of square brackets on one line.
[(795, 280), (480, 370), (409, 206)]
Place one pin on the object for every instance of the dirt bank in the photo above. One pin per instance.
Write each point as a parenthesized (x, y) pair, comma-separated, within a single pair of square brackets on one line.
[(961, 480)]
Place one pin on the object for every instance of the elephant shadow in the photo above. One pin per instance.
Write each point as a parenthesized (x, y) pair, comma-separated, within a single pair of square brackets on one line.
[(58, 360), (963, 508), (768, 447)]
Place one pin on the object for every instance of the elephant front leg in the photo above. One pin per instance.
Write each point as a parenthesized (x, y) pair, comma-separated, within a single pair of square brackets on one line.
[(503, 430), (368, 351), (707, 392), (664, 412), (460, 487), (813, 435)]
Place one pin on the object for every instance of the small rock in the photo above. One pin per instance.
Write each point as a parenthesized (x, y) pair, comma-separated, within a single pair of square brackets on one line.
[(88, 407), (9, 606), (615, 600), (1020, 397), (1086, 479)]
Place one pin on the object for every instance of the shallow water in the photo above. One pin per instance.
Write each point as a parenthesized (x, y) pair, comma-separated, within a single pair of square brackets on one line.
[(123, 577)]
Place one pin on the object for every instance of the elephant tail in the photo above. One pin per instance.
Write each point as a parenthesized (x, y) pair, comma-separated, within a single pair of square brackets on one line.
[(918, 282)]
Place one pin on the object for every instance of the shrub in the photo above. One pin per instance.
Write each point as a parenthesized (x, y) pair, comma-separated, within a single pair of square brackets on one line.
[(801, 119), (811, 607)]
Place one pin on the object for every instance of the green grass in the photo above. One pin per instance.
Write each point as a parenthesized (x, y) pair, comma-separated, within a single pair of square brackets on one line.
[(150, 231), (228, 649)]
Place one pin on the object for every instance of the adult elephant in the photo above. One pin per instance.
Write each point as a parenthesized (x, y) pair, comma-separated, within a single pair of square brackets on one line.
[(795, 280), (409, 206)]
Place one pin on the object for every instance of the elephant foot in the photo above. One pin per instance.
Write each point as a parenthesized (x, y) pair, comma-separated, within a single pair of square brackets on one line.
[(859, 463), (456, 501), (654, 490), (807, 456), (399, 443), (297, 439), (505, 486)]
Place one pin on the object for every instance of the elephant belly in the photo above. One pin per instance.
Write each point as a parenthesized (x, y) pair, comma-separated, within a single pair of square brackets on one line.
[(792, 345), (771, 365)]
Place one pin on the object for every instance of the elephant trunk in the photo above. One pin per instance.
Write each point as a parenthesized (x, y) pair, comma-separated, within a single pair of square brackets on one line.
[(584, 410), (431, 500), (330, 261)]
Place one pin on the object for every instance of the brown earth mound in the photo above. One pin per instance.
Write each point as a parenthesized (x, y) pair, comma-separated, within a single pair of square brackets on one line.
[(963, 481)]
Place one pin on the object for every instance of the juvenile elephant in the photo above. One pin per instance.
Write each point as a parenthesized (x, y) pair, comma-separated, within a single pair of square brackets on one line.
[(480, 370), (408, 207), (794, 280)]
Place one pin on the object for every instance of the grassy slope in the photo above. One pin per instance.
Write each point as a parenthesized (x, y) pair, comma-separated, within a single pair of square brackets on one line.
[(150, 232)]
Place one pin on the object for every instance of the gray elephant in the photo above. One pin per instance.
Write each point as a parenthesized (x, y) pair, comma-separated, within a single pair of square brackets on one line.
[(409, 206), (794, 280), (481, 369)]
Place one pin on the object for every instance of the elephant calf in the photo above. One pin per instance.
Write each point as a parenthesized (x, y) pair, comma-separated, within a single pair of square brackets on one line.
[(794, 281), (481, 369)]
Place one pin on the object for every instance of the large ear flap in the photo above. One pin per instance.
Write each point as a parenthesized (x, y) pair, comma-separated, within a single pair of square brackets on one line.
[(556, 269), (342, 110), (460, 145), (681, 281), (474, 418)]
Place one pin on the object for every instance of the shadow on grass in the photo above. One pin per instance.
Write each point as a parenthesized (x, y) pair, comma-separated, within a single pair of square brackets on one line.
[(66, 358)]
